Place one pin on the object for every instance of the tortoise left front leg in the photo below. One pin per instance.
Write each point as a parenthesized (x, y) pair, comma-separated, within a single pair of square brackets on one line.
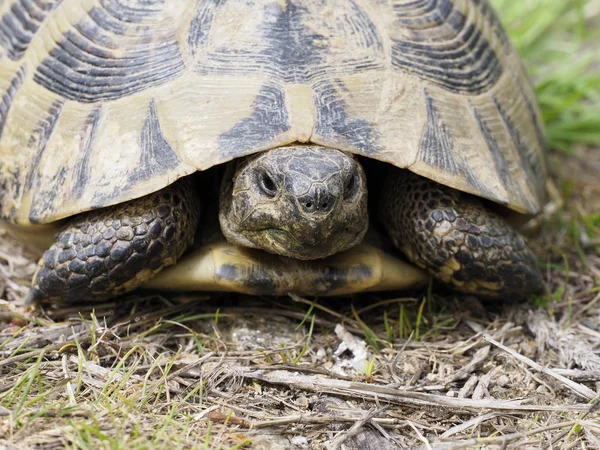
[(104, 253), (456, 238)]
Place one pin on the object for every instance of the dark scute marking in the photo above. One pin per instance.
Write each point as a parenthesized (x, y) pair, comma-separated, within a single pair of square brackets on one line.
[(132, 11), (422, 13), (42, 134), (201, 23), (529, 162), (437, 149), (500, 163), (20, 23), (363, 272), (334, 278), (157, 156), (474, 229), (541, 136), (333, 120), (488, 12), (298, 53), (436, 143), (291, 45), (82, 167), (43, 202), (268, 120), (84, 67), (260, 281), (9, 95), (99, 16), (296, 43), (464, 62), (539, 167)]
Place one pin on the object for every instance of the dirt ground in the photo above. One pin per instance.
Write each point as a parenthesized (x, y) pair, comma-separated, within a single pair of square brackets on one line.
[(426, 369)]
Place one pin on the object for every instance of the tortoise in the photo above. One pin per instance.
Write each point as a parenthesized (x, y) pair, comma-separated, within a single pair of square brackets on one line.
[(113, 111)]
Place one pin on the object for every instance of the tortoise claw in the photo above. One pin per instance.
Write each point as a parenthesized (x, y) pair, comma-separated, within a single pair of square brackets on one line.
[(32, 297)]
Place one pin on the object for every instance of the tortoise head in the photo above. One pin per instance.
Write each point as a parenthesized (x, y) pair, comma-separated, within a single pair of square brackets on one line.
[(302, 201)]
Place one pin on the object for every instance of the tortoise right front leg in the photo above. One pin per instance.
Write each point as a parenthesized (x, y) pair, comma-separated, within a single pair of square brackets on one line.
[(456, 238), (104, 253)]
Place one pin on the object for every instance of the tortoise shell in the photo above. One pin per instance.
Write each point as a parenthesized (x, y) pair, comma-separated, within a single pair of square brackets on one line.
[(108, 100)]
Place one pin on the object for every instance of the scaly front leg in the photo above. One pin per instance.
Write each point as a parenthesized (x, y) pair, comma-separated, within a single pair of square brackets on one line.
[(107, 252), (454, 237)]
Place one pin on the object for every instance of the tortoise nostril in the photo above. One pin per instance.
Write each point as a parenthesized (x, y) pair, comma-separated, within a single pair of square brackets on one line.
[(319, 200), (317, 205)]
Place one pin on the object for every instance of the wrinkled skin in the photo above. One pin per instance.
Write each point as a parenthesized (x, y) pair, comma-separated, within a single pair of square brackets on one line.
[(305, 202)]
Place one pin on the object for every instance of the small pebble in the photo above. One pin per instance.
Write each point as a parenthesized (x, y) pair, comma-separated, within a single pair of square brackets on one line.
[(300, 441), (503, 380)]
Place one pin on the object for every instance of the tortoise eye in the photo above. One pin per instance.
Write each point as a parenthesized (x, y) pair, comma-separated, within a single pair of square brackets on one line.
[(267, 185), (351, 186)]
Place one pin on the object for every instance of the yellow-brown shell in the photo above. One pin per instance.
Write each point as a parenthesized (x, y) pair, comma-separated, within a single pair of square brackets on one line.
[(103, 101)]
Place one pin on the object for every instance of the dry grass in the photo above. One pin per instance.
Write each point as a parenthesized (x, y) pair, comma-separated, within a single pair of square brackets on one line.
[(433, 370)]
